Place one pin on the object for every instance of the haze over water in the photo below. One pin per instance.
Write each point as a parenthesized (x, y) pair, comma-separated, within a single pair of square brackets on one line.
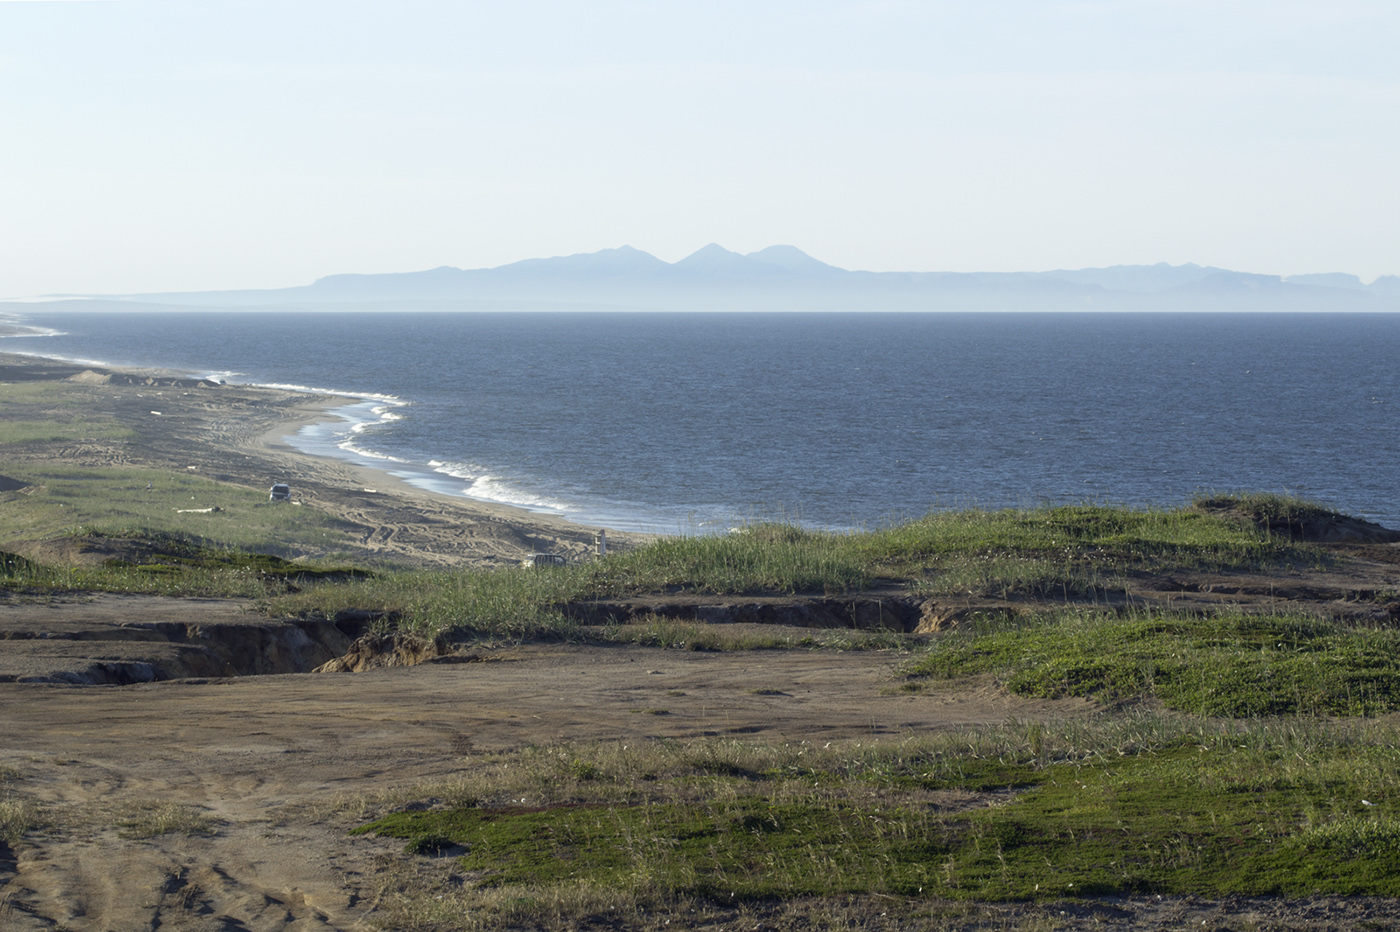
[(692, 421)]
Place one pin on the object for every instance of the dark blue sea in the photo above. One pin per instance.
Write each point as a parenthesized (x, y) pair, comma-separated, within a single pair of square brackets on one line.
[(685, 422)]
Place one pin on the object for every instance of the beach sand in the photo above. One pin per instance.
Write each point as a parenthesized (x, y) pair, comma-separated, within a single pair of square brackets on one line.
[(238, 435)]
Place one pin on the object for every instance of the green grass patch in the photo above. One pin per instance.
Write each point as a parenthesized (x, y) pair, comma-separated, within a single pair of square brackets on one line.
[(1134, 805), (1225, 665), (429, 845), (1207, 820), (118, 500), (22, 432), (167, 564), (768, 558), (744, 846), (1287, 515)]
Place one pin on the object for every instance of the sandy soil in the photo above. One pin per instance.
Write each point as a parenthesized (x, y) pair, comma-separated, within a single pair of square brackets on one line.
[(269, 759), (262, 755)]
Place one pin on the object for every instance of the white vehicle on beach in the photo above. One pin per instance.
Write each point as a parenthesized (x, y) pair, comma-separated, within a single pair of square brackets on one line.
[(281, 492), (538, 560)]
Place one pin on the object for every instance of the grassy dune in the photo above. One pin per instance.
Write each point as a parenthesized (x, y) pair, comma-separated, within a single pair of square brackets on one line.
[(1062, 551), (1075, 550)]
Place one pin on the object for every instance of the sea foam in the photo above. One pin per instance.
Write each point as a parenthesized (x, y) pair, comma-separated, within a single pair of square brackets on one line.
[(486, 487)]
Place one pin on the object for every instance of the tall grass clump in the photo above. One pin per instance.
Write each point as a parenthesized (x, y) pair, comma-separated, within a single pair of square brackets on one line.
[(18, 573), (17, 818), (765, 557), (514, 603), (1096, 535), (521, 602), (149, 819)]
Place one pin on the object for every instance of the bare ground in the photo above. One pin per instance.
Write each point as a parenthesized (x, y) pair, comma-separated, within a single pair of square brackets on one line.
[(272, 764), (266, 758)]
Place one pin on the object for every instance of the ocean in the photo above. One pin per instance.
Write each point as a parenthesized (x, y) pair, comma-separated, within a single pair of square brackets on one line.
[(695, 422)]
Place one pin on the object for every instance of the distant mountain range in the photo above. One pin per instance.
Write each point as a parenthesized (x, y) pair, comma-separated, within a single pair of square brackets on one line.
[(785, 278)]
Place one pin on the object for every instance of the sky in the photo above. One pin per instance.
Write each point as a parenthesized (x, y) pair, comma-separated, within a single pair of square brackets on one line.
[(212, 144)]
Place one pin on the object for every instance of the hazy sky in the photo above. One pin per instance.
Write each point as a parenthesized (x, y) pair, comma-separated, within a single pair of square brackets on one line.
[(206, 145)]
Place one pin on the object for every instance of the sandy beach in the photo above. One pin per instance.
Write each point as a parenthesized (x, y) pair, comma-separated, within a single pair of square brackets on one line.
[(237, 435)]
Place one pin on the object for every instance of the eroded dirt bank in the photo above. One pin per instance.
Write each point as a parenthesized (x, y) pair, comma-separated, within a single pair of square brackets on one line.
[(106, 639), (102, 638)]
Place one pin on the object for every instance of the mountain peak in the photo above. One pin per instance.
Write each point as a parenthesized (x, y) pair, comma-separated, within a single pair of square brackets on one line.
[(790, 258), (709, 257)]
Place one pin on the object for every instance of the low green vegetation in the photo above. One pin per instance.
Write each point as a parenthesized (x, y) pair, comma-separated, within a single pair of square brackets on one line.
[(1228, 664), (167, 564), (53, 412), (117, 501), (76, 428), (179, 533), (1134, 804), (1072, 553), (1083, 554), (1187, 535), (1288, 515)]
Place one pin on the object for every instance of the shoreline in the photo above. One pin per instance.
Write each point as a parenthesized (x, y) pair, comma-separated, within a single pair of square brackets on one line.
[(422, 476), (238, 434)]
